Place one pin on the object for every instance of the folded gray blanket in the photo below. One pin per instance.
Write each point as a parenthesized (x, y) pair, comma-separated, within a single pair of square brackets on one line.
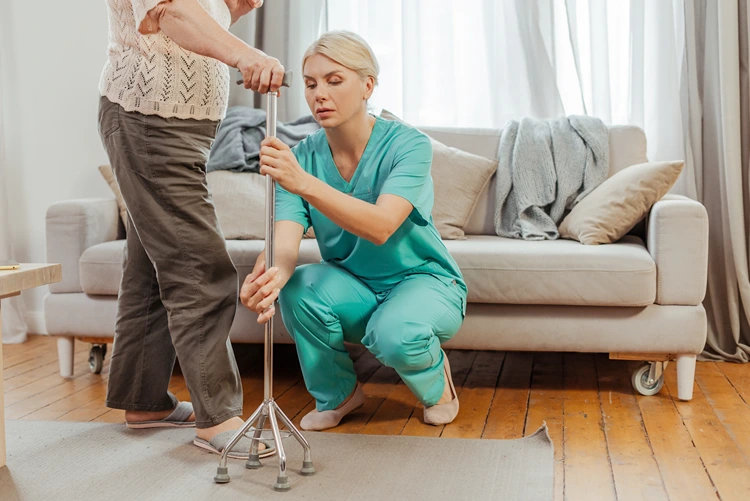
[(237, 144), (545, 168)]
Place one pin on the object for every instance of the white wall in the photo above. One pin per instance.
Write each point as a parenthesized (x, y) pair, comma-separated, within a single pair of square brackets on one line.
[(52, 56), (53, 53)]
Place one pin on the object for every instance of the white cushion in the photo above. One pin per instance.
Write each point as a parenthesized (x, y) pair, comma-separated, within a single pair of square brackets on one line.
[(101, 265), (496, 269), (555, 272)]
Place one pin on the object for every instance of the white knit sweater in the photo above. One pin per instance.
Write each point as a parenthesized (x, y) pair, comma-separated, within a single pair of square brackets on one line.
[(153, 75)]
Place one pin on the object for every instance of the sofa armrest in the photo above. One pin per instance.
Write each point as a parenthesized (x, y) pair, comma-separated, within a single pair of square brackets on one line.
[(677, 238), (72, 227)]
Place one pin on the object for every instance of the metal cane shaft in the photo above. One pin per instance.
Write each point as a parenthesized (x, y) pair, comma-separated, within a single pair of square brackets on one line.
[(271, 111)]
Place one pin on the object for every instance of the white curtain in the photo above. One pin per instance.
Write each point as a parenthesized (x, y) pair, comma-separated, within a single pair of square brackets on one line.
[(13, 310), (480, 63)]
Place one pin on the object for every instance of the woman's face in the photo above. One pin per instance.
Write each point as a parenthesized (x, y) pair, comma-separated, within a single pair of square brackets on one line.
[(333, 92)]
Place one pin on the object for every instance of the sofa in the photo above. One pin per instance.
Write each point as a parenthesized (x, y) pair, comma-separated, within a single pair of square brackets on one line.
[(638, 298)]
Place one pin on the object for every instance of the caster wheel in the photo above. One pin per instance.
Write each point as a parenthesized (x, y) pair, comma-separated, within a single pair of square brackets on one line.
[(641, 383), (96, 359)]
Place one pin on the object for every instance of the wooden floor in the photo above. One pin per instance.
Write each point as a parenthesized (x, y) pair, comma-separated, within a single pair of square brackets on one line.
[(609, 442)]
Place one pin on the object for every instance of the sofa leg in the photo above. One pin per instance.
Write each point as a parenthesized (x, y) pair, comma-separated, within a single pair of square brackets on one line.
[(65, 355), (685, 376)]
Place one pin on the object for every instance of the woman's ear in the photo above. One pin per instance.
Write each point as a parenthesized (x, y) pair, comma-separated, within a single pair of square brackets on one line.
[(369, 87)]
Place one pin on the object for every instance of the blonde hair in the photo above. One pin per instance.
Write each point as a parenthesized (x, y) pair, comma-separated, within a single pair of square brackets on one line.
[(347, 49)]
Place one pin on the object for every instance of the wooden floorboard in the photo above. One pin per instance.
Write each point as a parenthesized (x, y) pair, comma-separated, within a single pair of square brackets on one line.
[(634, 469), (610, 442), (588, 472)]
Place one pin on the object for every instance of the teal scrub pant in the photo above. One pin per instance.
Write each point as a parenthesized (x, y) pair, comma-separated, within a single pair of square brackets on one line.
[(323, 305)]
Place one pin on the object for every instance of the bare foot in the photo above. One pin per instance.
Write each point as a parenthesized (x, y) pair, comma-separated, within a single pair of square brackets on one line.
[(139, 416)]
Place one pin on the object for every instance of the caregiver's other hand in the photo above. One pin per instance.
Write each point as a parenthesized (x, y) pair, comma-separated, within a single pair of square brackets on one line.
[(260, 290), (260, 73), (278, 161)]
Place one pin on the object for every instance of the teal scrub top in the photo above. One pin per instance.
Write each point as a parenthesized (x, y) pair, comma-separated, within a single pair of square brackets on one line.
[(396, 160)]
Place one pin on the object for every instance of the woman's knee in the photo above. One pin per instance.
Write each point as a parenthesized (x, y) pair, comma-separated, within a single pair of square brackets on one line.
[(299, 300), (401, 345), (298, 287)]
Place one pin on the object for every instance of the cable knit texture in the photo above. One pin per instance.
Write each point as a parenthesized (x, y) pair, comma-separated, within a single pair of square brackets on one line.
[(153, 75)]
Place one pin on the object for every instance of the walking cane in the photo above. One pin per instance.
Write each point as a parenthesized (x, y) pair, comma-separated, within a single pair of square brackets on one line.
[(268, 409)]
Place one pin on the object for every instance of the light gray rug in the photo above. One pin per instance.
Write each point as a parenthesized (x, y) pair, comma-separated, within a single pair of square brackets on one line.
[(55, 461)]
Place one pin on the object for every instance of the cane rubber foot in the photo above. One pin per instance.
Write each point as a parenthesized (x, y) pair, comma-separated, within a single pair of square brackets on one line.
[(253, 462), (307, 468), (222, 476), (282, 483)]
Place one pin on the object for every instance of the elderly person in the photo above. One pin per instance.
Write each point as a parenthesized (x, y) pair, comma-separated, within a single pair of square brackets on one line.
[(387, 280), (163, 92)]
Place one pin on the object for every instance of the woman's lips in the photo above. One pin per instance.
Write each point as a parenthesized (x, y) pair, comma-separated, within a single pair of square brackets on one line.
[(324, 112)]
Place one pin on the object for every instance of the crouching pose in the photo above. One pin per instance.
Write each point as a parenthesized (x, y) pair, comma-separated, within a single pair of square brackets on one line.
[(386, 280)]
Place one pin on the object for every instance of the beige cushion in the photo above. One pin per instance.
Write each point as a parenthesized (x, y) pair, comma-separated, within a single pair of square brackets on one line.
[(616, 205), (240, 201), (559, 272), (100, 265), (459, 178), (496, 269), (627, 146), (108, 175)]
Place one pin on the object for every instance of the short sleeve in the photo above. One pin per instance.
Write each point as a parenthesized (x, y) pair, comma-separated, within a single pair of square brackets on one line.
[(410, 178), (291, 207), (141, 8)]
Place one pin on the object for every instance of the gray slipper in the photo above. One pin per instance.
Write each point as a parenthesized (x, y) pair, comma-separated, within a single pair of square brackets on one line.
[(177, 419), (241, 449)]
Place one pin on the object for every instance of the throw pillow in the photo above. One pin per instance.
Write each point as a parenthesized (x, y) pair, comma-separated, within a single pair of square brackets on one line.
[(239, 198), (459, 178), (240, 201), (614, 207), (108, 175)]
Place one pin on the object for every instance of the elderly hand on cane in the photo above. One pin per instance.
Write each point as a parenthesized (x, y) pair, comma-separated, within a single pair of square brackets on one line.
[(191, 27)]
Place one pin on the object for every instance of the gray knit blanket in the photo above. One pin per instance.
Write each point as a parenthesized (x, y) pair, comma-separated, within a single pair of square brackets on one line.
[(545, 168), (237, 143)]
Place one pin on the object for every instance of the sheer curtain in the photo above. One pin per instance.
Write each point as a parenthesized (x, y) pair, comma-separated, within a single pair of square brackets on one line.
[(13, 311), (480, 63), (676, 68)]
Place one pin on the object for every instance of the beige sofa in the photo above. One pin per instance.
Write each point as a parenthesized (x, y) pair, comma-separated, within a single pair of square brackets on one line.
[(638, 298)]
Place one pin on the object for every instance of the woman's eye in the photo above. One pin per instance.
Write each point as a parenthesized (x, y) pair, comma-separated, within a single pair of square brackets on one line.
[(311, 86), (335, 83)]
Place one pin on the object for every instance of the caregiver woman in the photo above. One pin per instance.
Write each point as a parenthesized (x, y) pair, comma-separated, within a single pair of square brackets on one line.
[(386, 280), (163, 91)]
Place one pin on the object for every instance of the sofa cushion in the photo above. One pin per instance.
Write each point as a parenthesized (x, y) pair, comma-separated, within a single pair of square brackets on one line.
[(555, 272), (101, 265), (240, 201), (627, 146), (496, 269), (615, 206)]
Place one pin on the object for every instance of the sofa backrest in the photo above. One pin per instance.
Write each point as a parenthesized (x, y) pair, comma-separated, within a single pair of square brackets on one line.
[(627, 146)]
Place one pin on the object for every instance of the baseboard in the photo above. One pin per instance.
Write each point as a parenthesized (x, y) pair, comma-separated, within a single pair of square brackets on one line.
[(35, 322)]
